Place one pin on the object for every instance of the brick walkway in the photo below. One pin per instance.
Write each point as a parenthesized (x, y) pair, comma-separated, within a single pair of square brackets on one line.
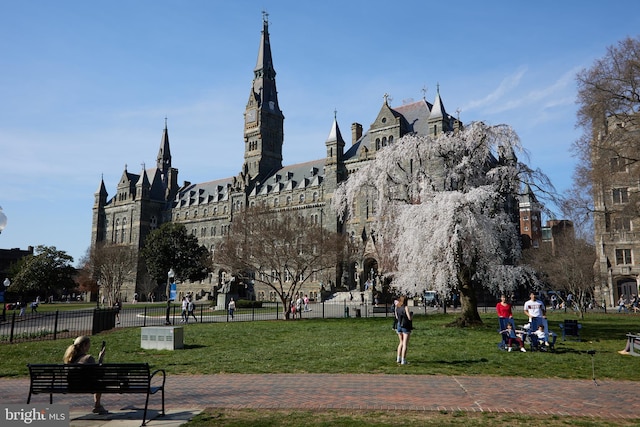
[(608, 399)]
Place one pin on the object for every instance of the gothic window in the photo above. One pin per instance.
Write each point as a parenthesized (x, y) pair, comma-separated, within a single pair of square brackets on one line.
[(275, 202), (153, 222), (623, 256), (618, 164), (194, 232), (186, 215), (224, 210), (377, 143), (215, 211), (288, 200), (203, 232), (213, 231), (195, 213), (302, 198), (205, 212), (384, 141), (390, 139), (314, 198), (622, 223), (620, 195)]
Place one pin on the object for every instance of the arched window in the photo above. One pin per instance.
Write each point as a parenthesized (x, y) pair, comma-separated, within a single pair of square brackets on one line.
[(377, 143)]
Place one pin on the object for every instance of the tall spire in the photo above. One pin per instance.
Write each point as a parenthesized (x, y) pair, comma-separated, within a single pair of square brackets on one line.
[(164, 154), (263, 128)]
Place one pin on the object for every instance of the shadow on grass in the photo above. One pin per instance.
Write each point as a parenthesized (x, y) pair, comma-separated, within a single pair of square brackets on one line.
[(460, 362)]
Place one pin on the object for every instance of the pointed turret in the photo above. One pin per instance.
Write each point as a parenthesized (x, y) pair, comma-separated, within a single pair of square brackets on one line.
[(164, 154), (143, 186), (101, 194), (439, 121), (335, 143)]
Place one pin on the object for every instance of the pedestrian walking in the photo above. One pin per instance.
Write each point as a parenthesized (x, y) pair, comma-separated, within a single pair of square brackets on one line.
[(232, 308), (191, 310)]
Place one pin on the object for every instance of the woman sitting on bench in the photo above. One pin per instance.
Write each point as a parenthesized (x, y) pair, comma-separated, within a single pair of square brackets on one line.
[(627, 349), (78, 352)]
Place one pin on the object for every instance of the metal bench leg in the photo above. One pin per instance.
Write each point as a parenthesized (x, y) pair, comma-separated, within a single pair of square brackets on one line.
[(144, 416)]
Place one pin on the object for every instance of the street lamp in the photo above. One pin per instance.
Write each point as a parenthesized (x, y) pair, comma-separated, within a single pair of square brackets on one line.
[(3, 220), (170, 275)]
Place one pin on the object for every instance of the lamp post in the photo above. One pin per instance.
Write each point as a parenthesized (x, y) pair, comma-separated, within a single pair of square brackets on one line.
[(6, 284), (98, 294), (3, 220), (170, 275)]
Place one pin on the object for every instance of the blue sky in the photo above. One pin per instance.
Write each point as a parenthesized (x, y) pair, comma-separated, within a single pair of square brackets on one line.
[(85, 86)]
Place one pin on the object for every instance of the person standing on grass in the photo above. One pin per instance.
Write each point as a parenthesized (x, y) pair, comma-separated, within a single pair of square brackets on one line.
[(403, 315), (535, 309), (505, 314)]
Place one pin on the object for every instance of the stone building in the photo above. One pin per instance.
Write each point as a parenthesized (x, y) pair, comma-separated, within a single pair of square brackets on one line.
[(145, 200), (615, 197)]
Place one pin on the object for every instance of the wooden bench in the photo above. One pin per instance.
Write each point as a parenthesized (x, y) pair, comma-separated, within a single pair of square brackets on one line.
[(634, 344), (383, 309), (120, 378), (570, 328)]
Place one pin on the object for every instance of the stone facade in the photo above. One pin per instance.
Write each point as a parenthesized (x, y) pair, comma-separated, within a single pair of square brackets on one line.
[(615, 212), (146, 200)]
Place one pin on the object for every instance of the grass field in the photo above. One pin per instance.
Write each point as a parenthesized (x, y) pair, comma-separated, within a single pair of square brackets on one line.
[(357, 345), (363, 345)]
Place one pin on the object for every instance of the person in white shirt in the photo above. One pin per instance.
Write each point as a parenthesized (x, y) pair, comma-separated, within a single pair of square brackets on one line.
[(535, 309)]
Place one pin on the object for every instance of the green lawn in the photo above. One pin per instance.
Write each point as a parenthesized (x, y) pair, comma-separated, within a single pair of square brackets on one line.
[(357, 345)]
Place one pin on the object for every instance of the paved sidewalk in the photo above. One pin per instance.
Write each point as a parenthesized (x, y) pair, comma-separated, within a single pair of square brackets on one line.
[(188, 395)]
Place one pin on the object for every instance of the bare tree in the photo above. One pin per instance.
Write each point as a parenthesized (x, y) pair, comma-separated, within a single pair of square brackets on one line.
[(111, 266), (279, 249), (567, 264), (609, 147)]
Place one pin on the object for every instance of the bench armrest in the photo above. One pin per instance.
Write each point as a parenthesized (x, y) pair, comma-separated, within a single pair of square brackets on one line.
[(158, 372)]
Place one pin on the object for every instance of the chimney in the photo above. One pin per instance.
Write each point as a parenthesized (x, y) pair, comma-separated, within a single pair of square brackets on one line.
[(356, 132)]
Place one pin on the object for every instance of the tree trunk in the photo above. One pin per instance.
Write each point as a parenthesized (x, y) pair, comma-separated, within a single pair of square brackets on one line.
[(469, 315)]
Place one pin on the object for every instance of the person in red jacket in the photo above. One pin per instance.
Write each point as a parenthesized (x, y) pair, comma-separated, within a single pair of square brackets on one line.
[(505, 315)]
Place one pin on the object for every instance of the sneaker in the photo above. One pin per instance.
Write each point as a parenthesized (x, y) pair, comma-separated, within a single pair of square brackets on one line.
[(509, 349), (100, 410), (546, 343), (522, 349), (404, 362), (623, 352)]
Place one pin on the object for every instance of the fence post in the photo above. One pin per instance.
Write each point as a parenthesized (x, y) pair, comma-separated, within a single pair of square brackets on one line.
[(144, 318), (13, 325), (323, 309), (55, 326)]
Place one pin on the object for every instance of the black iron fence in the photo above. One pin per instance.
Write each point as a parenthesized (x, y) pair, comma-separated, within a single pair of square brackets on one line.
[(52, 325)]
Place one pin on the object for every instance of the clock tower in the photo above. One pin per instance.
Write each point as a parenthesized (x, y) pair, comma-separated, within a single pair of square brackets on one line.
[(263, 120)]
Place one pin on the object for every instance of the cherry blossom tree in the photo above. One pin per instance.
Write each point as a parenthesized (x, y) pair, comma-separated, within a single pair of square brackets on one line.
[(448, 212)]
